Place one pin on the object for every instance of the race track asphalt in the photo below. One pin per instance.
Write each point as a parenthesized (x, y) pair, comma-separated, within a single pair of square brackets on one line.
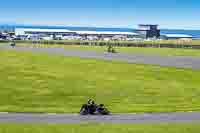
[(169, 61), (115, 118)]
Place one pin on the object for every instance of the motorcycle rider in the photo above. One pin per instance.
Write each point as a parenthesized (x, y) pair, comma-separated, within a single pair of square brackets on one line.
[(12, 44), (91, 106)]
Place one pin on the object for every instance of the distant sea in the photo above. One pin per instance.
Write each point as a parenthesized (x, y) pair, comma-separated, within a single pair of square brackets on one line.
[(194, 33)]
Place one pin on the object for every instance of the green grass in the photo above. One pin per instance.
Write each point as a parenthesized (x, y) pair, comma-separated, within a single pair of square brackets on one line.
[(137, 50), (100, 128), (31, 82)]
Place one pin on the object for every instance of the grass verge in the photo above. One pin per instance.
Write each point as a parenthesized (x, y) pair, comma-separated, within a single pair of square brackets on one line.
[(31, 82)]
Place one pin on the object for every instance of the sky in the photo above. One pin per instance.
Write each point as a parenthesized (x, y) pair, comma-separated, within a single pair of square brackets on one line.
[(176, 14)]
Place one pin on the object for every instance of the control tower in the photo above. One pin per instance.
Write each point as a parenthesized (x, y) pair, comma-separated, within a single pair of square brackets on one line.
[(149, 31)]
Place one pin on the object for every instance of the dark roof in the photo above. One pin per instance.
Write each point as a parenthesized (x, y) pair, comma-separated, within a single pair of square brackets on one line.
[(148, 25)]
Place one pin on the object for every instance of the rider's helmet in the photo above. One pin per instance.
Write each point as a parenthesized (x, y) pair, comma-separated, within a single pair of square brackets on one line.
[(90, 101)]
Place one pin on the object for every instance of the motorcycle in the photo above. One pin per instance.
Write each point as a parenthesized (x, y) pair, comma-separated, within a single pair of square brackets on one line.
[(94, 110)]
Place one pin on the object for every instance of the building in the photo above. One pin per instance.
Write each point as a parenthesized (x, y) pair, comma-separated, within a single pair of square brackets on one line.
[(176, 36), (149, 31), (107, 34), (64, 34), (143, 32), (26, 31)]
